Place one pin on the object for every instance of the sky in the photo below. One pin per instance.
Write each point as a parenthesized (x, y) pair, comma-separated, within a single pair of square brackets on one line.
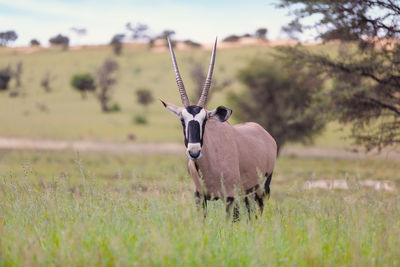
[(200, 20)]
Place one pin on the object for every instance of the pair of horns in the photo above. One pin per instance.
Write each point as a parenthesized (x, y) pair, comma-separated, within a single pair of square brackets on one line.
[(207, 84)]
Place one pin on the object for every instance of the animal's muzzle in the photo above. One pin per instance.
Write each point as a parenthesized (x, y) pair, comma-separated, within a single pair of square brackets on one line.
[(194, 151)]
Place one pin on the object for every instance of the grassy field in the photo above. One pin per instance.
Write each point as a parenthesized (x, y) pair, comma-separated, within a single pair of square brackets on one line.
[(68, 209), (68, 116), (99, 209)]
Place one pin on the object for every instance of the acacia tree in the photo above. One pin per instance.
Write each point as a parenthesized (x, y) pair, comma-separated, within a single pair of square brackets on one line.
[(60, 40), (105, 81), (116, 43), (365, 71), (7, 37), (262, 33), (278, 97)]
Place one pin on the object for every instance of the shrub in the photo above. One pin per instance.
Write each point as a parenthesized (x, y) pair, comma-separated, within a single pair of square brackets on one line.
[(115, 108), (139, 119), (144, 96), (191, 43), (45, 82), (262, 33), (5, 77), (231, 38), (278, 97), (34, 42), (60, 40), (83, 83)]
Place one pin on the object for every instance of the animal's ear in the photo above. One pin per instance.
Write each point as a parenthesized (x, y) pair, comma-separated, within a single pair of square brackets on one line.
[(221, 113), (171, 107)]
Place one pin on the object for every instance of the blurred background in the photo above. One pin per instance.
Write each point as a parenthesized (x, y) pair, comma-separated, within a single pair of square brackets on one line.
[(93, 70)]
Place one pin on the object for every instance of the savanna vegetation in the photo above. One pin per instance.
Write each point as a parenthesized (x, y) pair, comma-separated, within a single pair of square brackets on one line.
[(109, 209), (106, 209)]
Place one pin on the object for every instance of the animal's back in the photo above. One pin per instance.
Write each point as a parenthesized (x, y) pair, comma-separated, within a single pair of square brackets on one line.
[(257, 152)]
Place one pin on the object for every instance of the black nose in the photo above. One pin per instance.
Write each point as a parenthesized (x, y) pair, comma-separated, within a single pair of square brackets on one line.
[(194, 155)]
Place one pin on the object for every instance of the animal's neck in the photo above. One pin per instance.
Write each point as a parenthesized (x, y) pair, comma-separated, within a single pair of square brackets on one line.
[(211, 144)]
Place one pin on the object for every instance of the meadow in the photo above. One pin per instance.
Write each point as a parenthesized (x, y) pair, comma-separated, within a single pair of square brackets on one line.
[(113, 209), (65, 208)]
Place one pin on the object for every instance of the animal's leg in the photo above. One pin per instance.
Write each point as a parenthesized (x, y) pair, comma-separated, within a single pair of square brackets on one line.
[(260, 202), (201, 201), (231, 204), (267, 190), (247, 202)]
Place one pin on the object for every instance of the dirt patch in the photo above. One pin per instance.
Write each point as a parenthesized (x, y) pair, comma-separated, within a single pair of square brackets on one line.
[(378, 185), (177, 149)]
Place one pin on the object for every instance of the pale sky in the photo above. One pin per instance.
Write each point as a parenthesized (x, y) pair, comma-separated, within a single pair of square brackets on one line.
[(199, 20)]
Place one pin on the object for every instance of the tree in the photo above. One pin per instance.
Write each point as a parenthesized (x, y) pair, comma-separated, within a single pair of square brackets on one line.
[(138, 31), (7, 37), (46, 82), (60, 40), (261, 33), (82, 82), (105, 82), (116, 43), (167, 34), (365, 91), (277, 97), (34, 42), (144, 96)]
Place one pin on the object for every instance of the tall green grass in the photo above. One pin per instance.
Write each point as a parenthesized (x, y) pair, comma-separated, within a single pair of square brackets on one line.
[(106, 210)]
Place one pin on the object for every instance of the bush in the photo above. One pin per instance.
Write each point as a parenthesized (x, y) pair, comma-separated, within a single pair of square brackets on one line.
[(231, 38), (278, 97), (115, 108), (139, 119), (60, 40), (34, 42), (116, 43), (261, 33), (191, 43), (144, 96), (83, 83), (5, 77)]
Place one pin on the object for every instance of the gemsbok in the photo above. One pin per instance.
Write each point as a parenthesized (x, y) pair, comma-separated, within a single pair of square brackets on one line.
[(223, 159)]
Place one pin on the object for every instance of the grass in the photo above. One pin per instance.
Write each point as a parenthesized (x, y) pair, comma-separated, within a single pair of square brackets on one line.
[(105, 209)]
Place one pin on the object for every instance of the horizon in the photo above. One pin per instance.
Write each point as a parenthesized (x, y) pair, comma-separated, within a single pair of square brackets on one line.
[(102, 20)]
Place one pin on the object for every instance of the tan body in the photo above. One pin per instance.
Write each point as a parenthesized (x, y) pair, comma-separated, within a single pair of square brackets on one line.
[(234, 158)]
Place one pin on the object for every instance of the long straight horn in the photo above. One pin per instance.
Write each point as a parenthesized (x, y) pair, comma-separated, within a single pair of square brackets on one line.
[(207, 84), (182, 91)]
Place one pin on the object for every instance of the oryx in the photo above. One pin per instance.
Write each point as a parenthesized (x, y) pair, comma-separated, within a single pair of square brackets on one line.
[(223, 158)]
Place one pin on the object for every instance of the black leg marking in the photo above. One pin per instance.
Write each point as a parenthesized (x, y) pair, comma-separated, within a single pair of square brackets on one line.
[(260, 202), (246, 200), (267, 190), (231, 204)]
